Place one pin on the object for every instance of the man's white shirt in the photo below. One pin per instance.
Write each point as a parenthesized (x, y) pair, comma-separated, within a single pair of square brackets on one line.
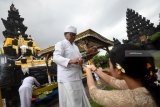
[(64, 51)]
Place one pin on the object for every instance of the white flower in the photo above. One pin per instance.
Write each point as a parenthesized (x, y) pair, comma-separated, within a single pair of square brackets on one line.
[(118, 66), (157, 83)]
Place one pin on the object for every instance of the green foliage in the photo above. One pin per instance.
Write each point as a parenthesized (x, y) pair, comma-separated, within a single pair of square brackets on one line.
[(94, 104), (101, 60), (108, 88), (155, 37), (156, 56)]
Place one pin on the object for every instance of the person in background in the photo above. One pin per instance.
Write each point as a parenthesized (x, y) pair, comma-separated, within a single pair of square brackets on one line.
[(69, 61), (25, 90), (158, 74), (132, 74)]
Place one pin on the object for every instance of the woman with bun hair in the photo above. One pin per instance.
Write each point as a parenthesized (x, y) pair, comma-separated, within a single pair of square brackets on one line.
[(133, 73)]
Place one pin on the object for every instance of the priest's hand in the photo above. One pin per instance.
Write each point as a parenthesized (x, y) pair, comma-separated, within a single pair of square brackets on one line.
[(76, 61), (80, 61)]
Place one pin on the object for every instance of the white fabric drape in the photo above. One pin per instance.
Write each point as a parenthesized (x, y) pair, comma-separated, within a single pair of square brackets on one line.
[(72, 94)]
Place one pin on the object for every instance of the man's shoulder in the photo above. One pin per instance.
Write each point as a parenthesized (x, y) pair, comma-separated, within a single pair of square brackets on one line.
[(61, 42)]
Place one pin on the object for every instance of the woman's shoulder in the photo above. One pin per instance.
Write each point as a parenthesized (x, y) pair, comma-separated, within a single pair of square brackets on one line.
[(140, 91), (136, 97)]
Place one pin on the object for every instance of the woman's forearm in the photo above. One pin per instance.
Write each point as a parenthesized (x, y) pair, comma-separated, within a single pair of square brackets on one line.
[(116, 83), (104, 76), (90, 80)]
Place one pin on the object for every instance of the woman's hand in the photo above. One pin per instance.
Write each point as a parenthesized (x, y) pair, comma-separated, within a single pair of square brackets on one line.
[(99, 69), (93, 68), (86, 68), (89, 68)]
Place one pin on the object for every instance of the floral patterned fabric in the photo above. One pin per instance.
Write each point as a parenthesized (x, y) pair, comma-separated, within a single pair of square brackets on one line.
[(139, 97)]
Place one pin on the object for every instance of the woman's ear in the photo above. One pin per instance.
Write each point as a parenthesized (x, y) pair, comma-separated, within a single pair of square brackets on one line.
[(119, 71)]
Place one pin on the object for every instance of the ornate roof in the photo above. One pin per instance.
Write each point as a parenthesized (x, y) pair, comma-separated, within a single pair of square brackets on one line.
[(92, 38), (138, 25), (46, 51), (13, 24), (89, 37)]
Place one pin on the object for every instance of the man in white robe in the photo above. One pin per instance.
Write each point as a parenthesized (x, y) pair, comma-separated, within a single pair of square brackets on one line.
[(68, 59), (25, 91)]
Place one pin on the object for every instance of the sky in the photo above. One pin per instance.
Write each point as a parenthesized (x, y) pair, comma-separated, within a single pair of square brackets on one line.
[(46, 19)]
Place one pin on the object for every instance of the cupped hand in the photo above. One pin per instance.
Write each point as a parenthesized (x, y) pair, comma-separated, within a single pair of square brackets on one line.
[(99, 69), (86, 68), (74, 61), (93, 68)]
